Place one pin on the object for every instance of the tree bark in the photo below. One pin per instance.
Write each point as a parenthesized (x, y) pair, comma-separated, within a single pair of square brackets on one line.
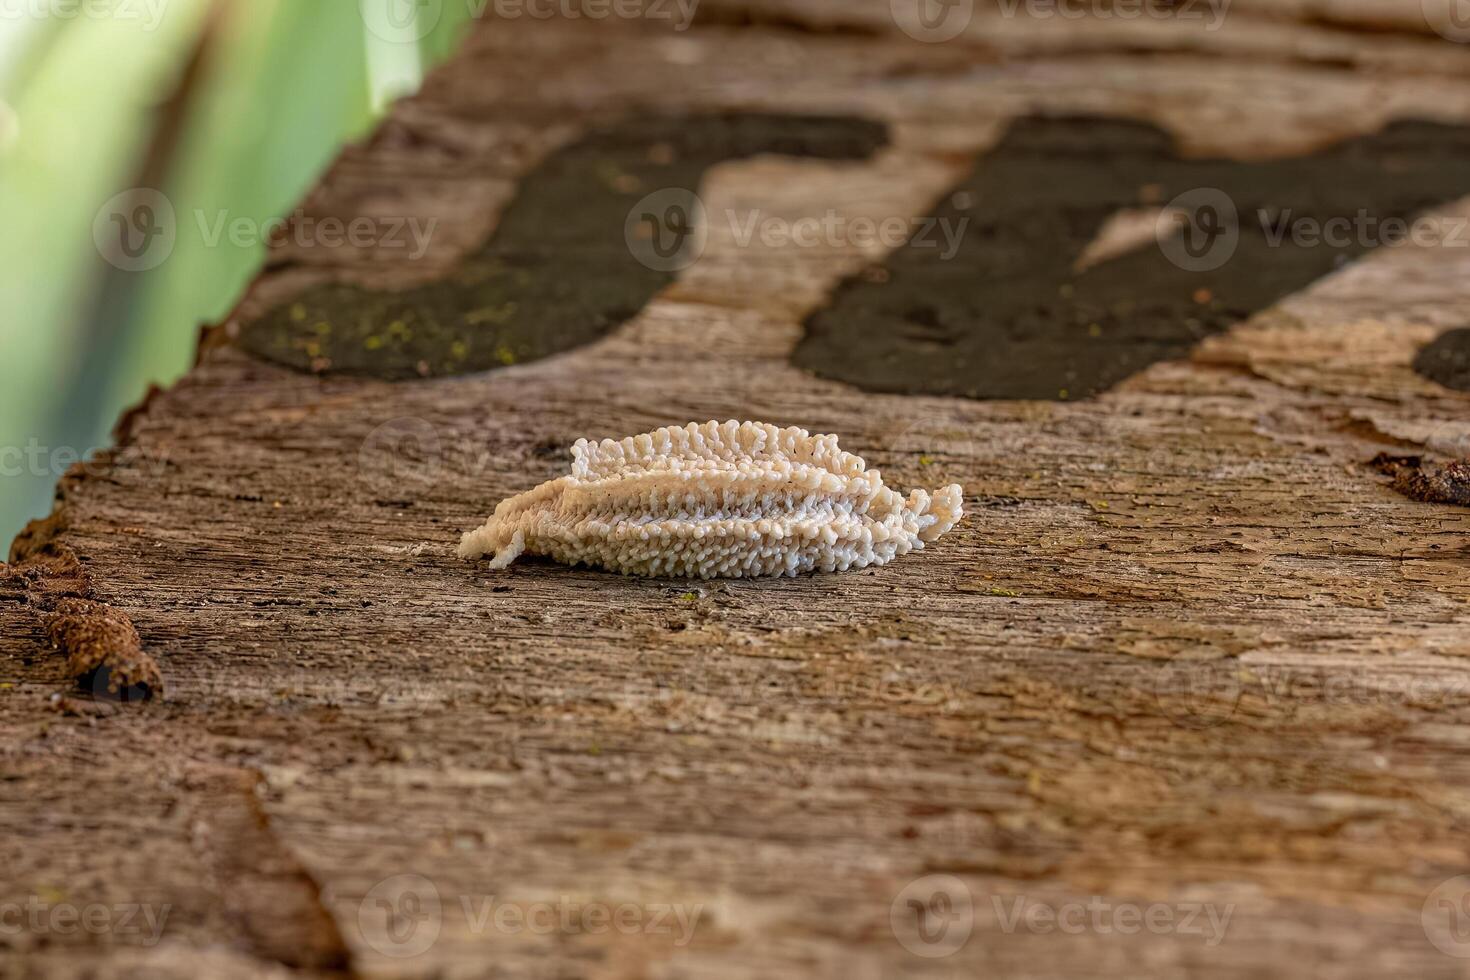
[(1190, 656)]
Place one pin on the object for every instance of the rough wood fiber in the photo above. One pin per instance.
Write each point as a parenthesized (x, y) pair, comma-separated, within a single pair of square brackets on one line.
[(1191, 647)]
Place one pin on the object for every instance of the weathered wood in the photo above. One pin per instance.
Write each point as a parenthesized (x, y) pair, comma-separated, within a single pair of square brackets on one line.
[(1190, 649)]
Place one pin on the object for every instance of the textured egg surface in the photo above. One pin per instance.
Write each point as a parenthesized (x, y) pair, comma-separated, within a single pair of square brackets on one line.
[(717, 500)]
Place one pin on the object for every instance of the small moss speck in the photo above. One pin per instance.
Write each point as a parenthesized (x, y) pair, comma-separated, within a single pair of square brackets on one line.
[(689, 596), (298, 313), (1004, 592), (609, 172), (373, 342), (505, 355), (498, 315), (926, 460)]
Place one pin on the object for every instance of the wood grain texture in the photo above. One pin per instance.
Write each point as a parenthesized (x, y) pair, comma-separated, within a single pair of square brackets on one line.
[(1191, 649)]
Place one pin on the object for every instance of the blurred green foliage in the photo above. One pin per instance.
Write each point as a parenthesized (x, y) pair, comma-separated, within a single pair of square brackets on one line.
[(228, 109)]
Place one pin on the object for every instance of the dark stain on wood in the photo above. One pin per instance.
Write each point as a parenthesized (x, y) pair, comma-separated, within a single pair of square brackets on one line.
[(1009, 314), (278, 905), (1446, 360), (559, 270)]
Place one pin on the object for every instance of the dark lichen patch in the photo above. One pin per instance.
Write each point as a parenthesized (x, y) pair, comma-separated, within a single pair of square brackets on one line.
[(1430, 482), (1015, 312), (557, 272), (1446, 360), (103, 651)]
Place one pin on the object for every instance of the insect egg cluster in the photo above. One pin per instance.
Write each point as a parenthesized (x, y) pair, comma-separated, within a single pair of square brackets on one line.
[(716, 500)]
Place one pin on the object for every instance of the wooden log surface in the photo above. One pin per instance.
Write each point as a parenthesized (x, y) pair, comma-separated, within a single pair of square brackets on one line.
[(1184, 695)]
